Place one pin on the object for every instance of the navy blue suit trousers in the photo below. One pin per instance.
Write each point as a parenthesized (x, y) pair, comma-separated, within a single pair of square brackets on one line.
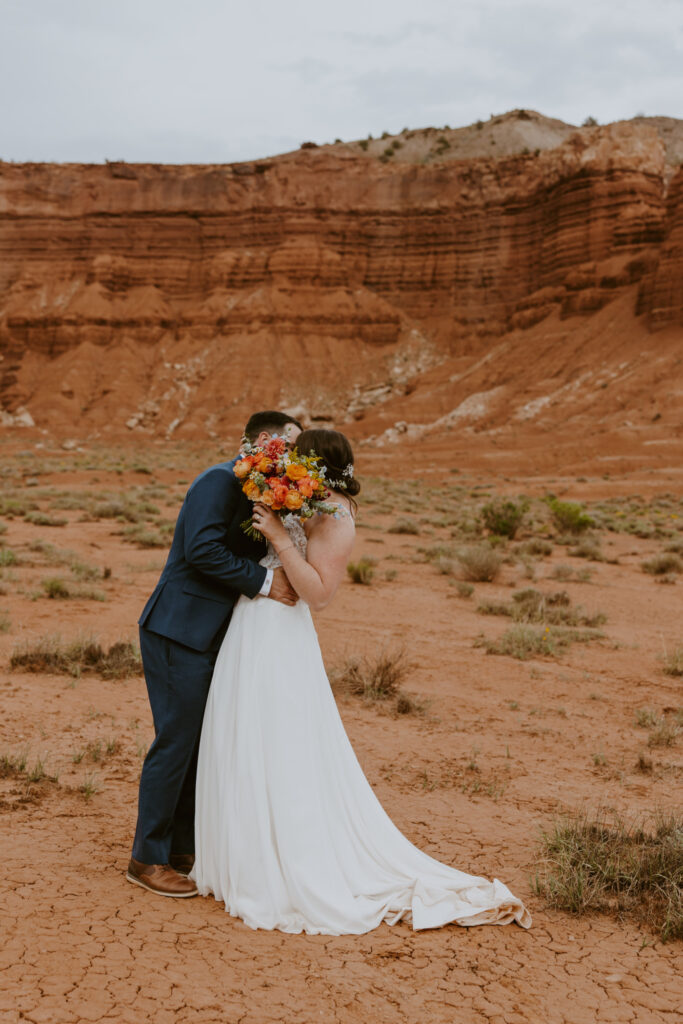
[(211, 562)]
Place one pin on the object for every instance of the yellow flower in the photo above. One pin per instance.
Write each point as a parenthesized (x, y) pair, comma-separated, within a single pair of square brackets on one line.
[(251, 490), (294, 500)]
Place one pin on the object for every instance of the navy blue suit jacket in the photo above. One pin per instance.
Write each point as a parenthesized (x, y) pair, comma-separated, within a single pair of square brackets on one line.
[(211, 562)]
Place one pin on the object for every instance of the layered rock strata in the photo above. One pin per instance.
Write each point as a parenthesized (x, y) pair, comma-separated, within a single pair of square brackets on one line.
[(171, 298)]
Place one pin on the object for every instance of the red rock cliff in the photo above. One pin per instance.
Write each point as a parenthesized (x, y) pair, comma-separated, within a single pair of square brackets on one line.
[(171, 298)]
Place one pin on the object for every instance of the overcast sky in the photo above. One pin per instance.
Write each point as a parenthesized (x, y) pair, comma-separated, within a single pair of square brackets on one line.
[(196, 81)]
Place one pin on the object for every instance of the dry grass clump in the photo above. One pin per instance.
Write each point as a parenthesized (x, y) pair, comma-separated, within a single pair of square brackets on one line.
[(566, 572), (664, 729), (480, 563), (587, 547), (57, 588), (662, 565), (377, 680), (609, 865), (405, 525), (7, 558), (361, 571), (43, 519), (49, 654), (125, 510), (144, 536), (672, 661), (12, 765), (63, 557), (523, 642), (535, 547), (531, 605), (38, 782)]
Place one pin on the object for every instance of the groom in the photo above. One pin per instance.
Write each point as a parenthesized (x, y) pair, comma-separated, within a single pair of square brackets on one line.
[(211, 562)]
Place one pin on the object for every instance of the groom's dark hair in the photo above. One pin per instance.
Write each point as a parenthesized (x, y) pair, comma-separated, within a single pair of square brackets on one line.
[(270, 420)]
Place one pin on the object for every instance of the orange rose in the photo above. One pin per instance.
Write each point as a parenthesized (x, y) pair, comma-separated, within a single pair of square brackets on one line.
[(268, 498), (242, 467), (306, 486), (251, 490), (295, 472), (278, 488), (264, 465), (294, 500)]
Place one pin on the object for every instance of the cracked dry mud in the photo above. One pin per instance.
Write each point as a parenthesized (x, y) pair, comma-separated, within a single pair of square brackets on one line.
[(79, 944)]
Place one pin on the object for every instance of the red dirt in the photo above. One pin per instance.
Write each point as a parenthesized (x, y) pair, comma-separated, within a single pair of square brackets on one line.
[(79, 944)]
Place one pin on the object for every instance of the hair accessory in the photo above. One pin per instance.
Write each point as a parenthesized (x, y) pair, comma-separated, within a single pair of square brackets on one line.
[(343, 483)]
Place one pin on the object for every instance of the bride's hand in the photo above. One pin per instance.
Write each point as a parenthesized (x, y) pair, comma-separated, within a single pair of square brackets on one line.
[(270, 525)]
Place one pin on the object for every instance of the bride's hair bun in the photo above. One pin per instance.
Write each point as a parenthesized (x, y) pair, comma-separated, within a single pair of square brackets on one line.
[(335, 452)]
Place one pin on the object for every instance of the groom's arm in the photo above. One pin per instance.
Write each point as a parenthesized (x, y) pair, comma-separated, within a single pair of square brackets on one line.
[(208, 506)]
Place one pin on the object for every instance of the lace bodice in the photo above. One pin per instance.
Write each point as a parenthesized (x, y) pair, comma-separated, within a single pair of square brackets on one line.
[(294, 528)]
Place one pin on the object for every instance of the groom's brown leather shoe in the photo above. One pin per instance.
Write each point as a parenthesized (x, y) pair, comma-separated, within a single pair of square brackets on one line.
[(182, 862), (161, 879)]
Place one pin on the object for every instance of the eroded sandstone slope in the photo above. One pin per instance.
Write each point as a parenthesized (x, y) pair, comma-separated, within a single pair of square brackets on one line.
[(360, 282)]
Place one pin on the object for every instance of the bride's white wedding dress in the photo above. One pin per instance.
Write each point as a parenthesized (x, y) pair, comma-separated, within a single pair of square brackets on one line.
[(289, 833)]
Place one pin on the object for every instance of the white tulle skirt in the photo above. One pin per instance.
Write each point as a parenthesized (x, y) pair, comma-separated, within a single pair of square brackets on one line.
[(289, 834)]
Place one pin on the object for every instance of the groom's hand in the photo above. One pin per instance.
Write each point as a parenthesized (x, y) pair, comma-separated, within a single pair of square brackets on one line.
[(281, 589)]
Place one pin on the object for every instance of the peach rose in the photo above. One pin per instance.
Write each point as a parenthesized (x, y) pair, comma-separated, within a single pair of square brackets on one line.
[(242, 468), (276, 484), (306, 486), (294, 500), (268, 498)]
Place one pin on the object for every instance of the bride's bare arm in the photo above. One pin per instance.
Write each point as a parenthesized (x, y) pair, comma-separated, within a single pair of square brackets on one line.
[(330, 540)]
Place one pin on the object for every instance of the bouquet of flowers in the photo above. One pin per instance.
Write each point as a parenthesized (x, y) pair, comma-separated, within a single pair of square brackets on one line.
[(287, 481)]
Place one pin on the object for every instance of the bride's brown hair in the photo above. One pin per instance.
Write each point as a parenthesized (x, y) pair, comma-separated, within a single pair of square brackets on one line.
[(335, 453)]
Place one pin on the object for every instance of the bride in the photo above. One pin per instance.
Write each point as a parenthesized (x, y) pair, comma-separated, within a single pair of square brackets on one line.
[(289, 833)]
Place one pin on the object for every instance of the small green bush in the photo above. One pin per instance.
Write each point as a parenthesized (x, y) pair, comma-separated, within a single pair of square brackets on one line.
[(504, 517), (569, 516), (55, 587)]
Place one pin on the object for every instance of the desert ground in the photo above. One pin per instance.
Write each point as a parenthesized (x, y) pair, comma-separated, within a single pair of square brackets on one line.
[(490, 748)]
